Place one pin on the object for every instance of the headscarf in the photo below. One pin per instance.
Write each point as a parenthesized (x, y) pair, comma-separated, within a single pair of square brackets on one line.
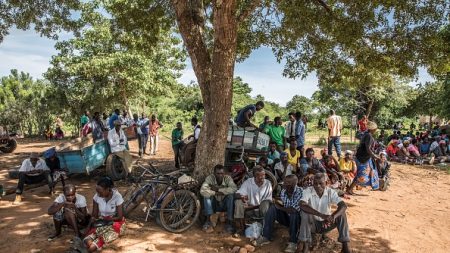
[(372, 125)]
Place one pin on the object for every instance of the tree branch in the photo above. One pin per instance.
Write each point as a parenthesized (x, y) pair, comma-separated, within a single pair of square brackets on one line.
[(248, 10), (324, 5)]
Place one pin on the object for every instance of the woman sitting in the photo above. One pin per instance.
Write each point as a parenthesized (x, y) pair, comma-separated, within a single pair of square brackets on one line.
[(403, 153), (392, 150), (293, 155), (348, 167), (107, 221), (367, 175)]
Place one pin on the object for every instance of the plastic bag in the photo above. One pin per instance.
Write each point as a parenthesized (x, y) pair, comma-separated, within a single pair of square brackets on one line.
[(254, 230)]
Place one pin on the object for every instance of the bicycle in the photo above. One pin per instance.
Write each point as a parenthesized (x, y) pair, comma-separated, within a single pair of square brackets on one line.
[(176, 207)]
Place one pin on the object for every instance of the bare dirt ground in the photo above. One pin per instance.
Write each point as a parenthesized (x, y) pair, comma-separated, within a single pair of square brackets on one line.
[(412, 216)]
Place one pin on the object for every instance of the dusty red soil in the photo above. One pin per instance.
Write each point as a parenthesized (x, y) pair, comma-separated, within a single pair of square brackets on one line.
[(412, 216)]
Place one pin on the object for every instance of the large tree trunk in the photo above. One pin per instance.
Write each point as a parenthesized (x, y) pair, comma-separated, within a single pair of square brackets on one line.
[(215, 86)]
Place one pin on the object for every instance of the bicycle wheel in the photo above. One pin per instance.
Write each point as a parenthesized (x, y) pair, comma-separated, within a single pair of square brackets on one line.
[(271, 177), (187, 210), (134, 200)]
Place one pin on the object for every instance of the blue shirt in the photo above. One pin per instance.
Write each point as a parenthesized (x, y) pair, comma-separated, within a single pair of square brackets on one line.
[(240, 119), (294, 200), (424, 148), (113, 118), (300, 133), (144, 123)]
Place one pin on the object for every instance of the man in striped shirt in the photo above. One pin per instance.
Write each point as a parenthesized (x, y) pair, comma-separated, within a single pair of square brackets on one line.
[(287, 214)]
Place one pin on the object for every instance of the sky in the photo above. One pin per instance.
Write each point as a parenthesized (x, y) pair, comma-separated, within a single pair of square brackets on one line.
[(28, 52)]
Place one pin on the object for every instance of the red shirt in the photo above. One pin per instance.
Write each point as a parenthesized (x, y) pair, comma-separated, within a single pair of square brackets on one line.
[(154, 127), (362, 125)]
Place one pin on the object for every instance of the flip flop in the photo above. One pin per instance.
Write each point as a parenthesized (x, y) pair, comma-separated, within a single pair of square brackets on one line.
[(53, 237)]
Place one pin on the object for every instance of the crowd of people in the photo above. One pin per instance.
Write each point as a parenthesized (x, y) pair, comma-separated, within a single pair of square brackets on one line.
[(306, 189)]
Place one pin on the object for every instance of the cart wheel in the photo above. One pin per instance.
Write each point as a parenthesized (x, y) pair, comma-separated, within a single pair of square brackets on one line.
[(179, 211), (10, 146), (115, 168)]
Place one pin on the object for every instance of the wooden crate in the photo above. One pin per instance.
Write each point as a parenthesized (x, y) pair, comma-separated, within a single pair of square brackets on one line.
[(252, 140)]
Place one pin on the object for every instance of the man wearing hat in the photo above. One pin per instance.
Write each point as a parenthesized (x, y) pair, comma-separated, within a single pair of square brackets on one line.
[(33, 171), (53, 163), (117, 141)]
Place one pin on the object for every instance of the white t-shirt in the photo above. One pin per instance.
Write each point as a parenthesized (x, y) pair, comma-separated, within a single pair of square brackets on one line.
[(321, 204), (255, 193), (28, 167), (334, 123), (196, 132), (279, 166), (114, 140), (80, 200), (108, 208)]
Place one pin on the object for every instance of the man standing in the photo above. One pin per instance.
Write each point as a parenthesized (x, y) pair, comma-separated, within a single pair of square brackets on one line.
[(217, 192), (117, 141), (287, 214), (245, 114), (290, 128), (69, 208), (33, 171), (177, 141), (265, 123), (254, 196), (145, 127), (334, 123), (97, 128), (188, 150), (155, 125), (113, 118), (137, 123), (316, 213), (300, 134), (84, 119), (277, 133)]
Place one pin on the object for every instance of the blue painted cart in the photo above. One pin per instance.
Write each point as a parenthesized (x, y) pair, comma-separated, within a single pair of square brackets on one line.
[(85, 160), (88, 158)]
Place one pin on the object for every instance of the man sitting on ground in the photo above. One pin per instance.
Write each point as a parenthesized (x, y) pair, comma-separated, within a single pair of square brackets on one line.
[(273, 153), (70, 209), (33, 171), (117, 141), (287, 214), (218, 195), (254, 197), (245, 114), (283, 168), (316, 214)]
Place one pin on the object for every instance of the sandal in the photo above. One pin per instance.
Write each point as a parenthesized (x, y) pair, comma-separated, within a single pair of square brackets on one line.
[(207, 227), (53, 237)]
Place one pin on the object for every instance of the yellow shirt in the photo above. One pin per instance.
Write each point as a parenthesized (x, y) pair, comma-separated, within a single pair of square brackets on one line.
[(345, 166), (293, 160)]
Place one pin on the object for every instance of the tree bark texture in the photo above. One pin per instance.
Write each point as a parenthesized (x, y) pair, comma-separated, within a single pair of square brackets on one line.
[(214, 70)]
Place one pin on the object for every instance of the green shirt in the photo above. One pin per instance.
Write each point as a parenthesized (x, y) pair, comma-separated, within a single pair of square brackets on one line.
[(177, 136), (276, 133), (227, 187), (84, 120)]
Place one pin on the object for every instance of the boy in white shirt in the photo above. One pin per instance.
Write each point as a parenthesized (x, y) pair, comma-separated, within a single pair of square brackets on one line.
[(69, 208)]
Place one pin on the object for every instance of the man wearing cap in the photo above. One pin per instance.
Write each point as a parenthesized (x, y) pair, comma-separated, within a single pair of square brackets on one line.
[(33, 171), (117, 141), (52, 162)]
